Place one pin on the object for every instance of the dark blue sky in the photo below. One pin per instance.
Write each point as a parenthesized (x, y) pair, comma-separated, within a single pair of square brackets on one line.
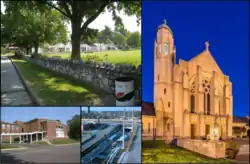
[(11, 114), (224, 24)]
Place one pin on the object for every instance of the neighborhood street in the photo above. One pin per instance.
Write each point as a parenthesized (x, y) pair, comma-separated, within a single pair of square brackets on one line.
[(12, 89)]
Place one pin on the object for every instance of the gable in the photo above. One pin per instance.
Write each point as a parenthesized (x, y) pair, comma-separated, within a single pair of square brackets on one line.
[(206, 61)]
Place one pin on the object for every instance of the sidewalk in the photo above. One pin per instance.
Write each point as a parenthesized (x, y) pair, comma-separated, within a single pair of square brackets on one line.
[(12, 90)]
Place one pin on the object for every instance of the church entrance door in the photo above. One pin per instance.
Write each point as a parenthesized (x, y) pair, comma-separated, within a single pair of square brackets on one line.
[(193, 131)]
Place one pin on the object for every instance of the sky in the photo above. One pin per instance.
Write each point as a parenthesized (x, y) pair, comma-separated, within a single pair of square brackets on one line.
[(106, 19), (11, 114), (225, 25), (113, 108)]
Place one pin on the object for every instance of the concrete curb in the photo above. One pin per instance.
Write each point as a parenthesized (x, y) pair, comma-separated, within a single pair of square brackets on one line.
[(33, 96), (67, 144), (22, 148)]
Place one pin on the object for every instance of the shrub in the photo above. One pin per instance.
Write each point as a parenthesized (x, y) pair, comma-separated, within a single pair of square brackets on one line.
[(3, 50)]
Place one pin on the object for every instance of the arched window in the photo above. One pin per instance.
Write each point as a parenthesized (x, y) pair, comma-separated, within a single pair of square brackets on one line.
[(204, 102), (165, 91), (166, 48), (192, 103), (158, 77), (208, 103), (160, 48)]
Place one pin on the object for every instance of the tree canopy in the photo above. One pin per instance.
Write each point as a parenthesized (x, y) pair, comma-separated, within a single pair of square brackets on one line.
[(39, 21), (82, 13), (27, 26), (74, 127)]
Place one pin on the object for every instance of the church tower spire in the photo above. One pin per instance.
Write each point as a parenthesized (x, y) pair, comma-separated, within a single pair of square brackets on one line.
[(164, 60)]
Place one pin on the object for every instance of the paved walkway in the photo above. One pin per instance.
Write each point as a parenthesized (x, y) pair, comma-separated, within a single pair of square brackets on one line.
[(243, 154), (134, 156), (43, 154), (12, 89)]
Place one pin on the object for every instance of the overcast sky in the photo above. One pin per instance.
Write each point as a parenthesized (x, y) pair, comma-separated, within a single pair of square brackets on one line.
[(106, 19)]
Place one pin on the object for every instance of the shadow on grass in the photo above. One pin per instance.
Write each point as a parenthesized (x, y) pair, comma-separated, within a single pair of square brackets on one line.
[(55, 88), (9, 158)]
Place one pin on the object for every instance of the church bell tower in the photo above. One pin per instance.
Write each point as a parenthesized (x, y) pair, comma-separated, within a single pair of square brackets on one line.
[(164, 60)]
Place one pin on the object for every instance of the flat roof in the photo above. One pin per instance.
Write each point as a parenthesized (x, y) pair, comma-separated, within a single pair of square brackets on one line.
[(16, 134)]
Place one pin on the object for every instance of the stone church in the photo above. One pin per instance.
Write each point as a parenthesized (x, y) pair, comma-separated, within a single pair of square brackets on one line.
[(192, 99)]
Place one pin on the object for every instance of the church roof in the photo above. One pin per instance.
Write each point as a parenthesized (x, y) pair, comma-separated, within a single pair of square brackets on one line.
[(164, 25), (206, 60), (148, 109)]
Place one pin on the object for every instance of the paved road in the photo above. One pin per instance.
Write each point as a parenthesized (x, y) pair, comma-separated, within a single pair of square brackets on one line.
[(43, 154), (12, 89), (134, 156)]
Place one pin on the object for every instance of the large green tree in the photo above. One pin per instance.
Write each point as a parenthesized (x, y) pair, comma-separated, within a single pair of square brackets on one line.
[(25, 24), (74, 127), (134, 39), (119, 40), (82, 13)]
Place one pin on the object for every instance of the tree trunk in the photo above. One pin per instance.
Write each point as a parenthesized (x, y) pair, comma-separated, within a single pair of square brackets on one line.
[(36, 46), (76, 39), (27, 50)]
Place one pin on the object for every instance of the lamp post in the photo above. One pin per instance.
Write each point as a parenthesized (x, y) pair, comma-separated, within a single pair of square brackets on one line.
[(132, 120), (123, 128)]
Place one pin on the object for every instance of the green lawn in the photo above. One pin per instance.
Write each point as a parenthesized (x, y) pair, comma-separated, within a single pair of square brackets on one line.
[(9, 146), (118, 56), (63, 141), (54, 88), (159, 152)]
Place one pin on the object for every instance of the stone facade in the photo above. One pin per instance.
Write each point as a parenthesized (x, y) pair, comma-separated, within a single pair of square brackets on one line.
[(101, 75), (192, 99), (211, 149)]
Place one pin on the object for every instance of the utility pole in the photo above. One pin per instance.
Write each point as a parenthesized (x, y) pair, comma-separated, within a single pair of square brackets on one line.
[(132, 120), (123, 128)]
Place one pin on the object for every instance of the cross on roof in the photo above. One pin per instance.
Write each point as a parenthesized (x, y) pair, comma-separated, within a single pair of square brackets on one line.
[(165, 22), (207, 45)]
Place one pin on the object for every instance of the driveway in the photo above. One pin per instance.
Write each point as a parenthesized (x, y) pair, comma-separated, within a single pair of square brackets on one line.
[(12, 89), (43, 154)]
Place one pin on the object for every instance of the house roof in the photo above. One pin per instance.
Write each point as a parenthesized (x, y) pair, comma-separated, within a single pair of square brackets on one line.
[(148, 109), (238, 119)]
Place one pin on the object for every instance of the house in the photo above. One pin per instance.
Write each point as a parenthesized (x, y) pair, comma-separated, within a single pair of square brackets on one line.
[(40, 50), (33, 130), (111, 47), (240, 126), (59, 47), (148, 120), (85, 47), (98, 47), (68, 47)]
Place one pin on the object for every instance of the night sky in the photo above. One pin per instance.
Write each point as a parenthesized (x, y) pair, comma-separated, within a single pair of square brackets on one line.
[(225, 25)]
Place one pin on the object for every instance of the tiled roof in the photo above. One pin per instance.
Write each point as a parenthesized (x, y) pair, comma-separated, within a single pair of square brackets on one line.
[(148, 109)]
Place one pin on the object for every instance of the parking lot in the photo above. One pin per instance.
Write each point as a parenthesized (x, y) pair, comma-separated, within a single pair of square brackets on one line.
[(43, 154)]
